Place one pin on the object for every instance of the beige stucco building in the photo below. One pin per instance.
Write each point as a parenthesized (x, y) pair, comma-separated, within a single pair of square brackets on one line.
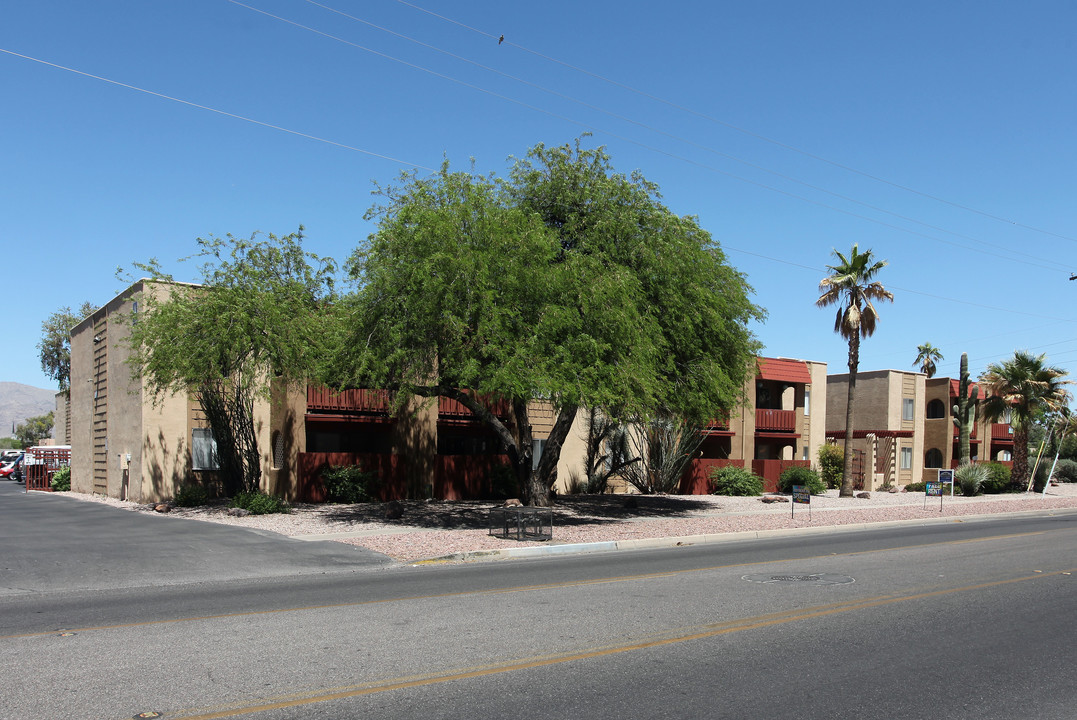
[(888, 422), (125, 443)]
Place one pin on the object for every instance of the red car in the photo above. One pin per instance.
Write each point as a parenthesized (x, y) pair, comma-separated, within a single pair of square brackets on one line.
[(12, 468)]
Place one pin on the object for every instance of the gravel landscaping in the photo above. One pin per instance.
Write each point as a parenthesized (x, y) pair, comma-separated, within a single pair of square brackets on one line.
[(436, 529)]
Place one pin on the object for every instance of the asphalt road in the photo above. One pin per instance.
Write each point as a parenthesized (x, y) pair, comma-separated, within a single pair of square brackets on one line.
[(963, 620)]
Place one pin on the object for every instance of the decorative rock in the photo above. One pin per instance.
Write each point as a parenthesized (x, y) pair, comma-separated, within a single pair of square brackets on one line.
[(864, 495), (393, 510), (513, 502), (894, 489), (774, 499), (238, 512), (162, 508)]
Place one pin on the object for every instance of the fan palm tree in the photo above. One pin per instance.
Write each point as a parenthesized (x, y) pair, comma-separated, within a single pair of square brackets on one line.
[(1023, 387), (926, 358), (851, 285)]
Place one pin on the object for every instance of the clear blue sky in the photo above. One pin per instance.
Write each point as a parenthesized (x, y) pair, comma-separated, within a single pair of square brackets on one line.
[(940, 135)]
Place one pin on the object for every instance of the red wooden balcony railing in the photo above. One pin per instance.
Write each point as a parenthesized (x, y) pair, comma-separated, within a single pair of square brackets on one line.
[(322, 399), (455, 410), (972, 434), (775, 420), (1001, 431)]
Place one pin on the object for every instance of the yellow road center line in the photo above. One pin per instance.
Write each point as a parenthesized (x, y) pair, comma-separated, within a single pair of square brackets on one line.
[(706, 631), (514, 589)]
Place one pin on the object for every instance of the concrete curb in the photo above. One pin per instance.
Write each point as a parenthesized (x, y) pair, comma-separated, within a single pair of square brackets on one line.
[(717, 538)]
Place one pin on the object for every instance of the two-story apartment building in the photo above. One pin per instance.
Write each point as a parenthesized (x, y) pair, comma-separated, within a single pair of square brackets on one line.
[(988, 441), (888, 437), (782, 423)]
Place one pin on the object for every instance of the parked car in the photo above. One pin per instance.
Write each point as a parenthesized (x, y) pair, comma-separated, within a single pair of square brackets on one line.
[(12, 468)]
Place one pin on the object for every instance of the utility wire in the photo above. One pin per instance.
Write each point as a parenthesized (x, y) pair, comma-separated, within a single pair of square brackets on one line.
[(750, 133), (220, 112), (587, 126), (1049, 264)]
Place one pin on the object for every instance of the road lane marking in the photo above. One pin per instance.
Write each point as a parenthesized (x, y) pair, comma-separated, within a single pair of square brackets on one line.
[(513, 589), (698, 633)]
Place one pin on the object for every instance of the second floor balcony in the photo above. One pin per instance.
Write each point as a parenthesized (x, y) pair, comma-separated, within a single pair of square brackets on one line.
[(775, 420), (359, 400), (1001, 432)]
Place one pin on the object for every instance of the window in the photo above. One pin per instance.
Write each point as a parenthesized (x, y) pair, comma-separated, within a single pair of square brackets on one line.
[(537, 446), (933, 458), (1005, 456), (908, 406), (806, 455), (807, 404), (936, 409), (906, 458), (203, 450), (278, 449)]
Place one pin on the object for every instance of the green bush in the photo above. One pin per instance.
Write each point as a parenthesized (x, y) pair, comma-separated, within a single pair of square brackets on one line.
[(916, 487), (258, 503), (800, 475), (190, 496), (734, 481), (831, 464), (61, 480), (349, 484), (998, 479), (970, 478), (1066, 471)]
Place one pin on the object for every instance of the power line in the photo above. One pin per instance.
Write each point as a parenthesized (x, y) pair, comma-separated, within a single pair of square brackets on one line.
[(220, 112), (587, 126), (749, 133), (1049, 264)]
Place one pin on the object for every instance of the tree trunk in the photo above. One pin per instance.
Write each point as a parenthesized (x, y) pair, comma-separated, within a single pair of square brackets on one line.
[(847, 466), (1019, 475), (545, 475)]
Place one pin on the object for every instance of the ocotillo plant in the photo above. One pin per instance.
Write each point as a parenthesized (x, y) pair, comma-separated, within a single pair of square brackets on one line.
[(964, 412)]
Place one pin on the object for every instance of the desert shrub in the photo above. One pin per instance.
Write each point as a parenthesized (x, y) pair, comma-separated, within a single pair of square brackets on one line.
[(734, 481), (970, 478), (998, 479), (1066, 471), (502, 482), (349, 484), (576, 485), (800, 475), (258, 503), (916, 486), (61, 480), (190, 496), (831, 462)]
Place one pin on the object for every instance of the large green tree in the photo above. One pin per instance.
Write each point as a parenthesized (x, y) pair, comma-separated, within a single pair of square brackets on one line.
[(261, 313), (34, 429), (1020, 390), (54, 346), (565, 281), (851, 285)]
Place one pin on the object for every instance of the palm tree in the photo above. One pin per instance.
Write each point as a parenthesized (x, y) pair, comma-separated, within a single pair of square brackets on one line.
[(1024, 387), (852, 287), (927, 355)]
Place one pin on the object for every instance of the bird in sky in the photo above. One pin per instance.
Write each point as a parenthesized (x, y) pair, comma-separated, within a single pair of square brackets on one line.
[(501, 40)]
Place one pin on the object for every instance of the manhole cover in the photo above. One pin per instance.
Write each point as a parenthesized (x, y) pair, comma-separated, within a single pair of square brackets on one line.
[(814, 579)]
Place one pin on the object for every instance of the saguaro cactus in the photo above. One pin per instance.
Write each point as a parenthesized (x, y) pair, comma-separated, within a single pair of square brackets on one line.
[(964, 412)]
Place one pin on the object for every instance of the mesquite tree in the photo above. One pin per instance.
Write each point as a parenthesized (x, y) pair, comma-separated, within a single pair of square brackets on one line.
[(262, 313), (565, 281)]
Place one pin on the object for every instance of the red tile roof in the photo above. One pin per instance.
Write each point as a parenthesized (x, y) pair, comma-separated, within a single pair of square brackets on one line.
[(955, 386), (790, 371)]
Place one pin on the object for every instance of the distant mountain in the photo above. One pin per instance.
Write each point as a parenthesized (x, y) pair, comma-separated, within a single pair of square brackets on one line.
[(18, 402)]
